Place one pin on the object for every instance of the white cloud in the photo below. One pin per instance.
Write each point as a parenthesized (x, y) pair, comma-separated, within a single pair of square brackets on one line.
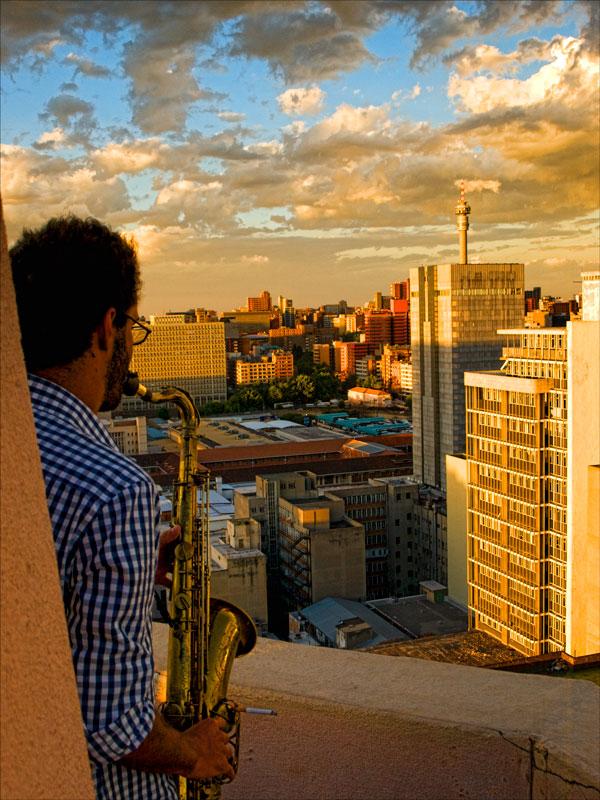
[(128, 157), (370, 252), (554, 262), (399, 95), (51, 140), (255, 259), (181, 190), (553, 81), (301, 101)]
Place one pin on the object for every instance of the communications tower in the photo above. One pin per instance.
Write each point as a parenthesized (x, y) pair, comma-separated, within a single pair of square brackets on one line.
[(462, 212)]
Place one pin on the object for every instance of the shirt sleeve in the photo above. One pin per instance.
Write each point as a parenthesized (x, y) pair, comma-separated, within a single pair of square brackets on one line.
[(110, 622)]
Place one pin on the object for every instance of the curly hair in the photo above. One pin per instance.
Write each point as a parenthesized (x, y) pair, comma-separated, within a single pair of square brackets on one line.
[(67, 274)]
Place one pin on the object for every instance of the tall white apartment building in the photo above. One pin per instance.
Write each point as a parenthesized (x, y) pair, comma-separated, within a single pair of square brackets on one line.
[(533, 481), (190, 355)]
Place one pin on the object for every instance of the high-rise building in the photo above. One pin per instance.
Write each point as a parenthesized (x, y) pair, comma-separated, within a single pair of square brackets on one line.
[(400, 290), (187, 354), (278, 366), (350, 352), (262, 303), (321, 551), (533, 446), (590, 296), (367, 504), (322, 354), (401, 325), (378, 329), (288, 314), (456, 310)]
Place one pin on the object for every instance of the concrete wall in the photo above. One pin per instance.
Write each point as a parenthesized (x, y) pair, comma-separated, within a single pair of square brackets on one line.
[(357, 725), (338, 563), (583, 542), (244, 583), (43, 752), (456, 509)]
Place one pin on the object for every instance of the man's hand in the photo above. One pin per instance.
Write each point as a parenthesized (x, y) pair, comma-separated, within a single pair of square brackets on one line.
[(166, 555), (212, 748), (200, 752)]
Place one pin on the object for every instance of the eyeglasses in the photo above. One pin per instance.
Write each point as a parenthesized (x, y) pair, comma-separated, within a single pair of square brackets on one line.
[(139, 331)]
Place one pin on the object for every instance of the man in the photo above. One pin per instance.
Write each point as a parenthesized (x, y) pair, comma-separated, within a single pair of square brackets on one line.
[(77, 285)]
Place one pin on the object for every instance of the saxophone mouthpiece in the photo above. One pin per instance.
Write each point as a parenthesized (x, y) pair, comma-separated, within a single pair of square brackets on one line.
[(131, 385), (267, 711)]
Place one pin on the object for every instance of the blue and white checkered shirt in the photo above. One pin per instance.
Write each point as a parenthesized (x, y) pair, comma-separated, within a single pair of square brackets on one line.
[(104, 512)]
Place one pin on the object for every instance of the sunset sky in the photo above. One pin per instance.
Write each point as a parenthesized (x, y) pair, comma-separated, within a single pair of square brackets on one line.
[(313, 149)]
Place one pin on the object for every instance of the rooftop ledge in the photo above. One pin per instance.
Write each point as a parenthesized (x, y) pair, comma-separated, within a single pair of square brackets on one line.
[(357, 725)]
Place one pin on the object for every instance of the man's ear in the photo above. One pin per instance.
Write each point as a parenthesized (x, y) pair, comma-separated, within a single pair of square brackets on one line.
[(106, 330)]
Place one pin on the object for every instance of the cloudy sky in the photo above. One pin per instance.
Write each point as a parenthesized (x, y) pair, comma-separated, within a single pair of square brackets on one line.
[(310, 148)]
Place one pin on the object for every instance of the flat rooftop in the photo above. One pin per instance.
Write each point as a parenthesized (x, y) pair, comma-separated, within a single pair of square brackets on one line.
[(418, 616), (468, 648)]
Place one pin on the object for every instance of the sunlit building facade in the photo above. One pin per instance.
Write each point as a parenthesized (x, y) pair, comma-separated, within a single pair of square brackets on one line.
[(532, 551), (190, 355), (455, 310), (278, 366)]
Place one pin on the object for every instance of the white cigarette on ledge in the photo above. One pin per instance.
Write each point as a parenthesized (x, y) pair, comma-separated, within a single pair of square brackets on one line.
[(249, 710)]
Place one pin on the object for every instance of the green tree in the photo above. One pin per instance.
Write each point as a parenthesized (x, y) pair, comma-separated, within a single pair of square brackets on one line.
[(327, 385), (275, 392), (163, 412), (349, 382), (371, 382), (211, 409), (305, 388), (293, 416), (305, 364)]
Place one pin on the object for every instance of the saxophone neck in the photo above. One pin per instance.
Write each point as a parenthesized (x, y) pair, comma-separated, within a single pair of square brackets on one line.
[(190, 416)]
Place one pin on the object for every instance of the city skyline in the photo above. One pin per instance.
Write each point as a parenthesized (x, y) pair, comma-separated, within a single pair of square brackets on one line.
[(314, 149)]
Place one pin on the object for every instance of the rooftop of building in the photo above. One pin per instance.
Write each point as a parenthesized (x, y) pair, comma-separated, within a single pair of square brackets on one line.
[(544, 331), (271, 450), (232, 553), (469, 648), (337, 467), (418, 616), (328, 613)]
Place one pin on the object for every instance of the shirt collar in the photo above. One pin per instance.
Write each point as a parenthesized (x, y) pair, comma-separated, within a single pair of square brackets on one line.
[(63, 406)]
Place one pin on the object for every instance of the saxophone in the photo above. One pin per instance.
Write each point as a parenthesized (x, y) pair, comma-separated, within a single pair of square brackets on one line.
[(205, 634)]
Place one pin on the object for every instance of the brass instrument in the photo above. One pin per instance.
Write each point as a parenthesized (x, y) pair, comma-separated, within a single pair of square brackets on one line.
[(205, 634)]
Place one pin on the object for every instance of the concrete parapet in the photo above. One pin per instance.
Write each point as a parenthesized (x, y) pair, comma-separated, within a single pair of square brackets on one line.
[(355, 725)]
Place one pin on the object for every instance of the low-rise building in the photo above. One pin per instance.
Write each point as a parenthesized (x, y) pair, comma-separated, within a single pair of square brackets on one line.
[(345, 624), (238, 569), (371, 397), (130, 435)]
